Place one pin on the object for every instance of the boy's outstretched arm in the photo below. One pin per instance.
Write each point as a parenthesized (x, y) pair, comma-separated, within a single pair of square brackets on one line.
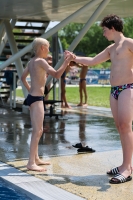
[(57, 74), (90, 61)]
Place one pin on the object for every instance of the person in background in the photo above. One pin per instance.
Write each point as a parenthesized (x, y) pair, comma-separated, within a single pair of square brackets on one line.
[(82, 85), (64, 103)]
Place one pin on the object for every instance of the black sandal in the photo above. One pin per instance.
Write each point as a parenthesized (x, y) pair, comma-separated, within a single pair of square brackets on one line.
[(78, 145), (82, 149), (85, 150), (113, 171), (119, 178)]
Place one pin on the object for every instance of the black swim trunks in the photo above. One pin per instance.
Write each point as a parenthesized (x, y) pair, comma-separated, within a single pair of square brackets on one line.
[(31, 99), (82, 79)]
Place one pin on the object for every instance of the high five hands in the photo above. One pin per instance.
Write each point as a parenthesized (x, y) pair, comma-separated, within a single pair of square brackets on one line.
[(69, 55)]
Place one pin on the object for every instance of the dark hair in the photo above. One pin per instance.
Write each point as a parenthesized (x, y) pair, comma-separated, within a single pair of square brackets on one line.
[(112, 21)]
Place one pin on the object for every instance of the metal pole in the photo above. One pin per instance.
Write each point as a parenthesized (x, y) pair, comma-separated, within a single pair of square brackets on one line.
[(55, 53), (0, 94), (52, 31), (14, 50), (14, 89), (92, 19), (59, 82), (10, 97)]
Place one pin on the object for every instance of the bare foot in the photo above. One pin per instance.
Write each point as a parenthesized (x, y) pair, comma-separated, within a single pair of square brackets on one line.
[(67, 106), (34, 167), (80, 104), (85, 105), (41, 162)]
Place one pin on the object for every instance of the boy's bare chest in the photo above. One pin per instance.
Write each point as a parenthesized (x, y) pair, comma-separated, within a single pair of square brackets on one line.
[(117, 52)]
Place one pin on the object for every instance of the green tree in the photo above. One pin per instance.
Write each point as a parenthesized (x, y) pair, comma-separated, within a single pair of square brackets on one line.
[(92, 43), (128, 27), (68, 33)]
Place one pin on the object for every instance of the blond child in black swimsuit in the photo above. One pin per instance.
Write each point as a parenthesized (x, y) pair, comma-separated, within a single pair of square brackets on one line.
[(38, 69)]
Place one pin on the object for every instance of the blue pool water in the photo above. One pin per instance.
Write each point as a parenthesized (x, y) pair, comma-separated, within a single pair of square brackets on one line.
[(8, 193)]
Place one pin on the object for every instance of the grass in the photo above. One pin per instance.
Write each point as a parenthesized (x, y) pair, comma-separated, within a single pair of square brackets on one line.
[(97, 96), (19, 93)]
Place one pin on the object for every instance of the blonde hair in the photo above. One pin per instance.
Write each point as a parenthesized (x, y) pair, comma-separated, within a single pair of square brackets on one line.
[(37, 42)]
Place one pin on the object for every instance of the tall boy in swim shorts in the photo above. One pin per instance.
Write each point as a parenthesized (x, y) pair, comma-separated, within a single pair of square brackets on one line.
[(38, 69), (121, 98)]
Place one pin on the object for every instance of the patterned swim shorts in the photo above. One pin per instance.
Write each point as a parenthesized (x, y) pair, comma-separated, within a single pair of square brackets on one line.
[(116, 90)]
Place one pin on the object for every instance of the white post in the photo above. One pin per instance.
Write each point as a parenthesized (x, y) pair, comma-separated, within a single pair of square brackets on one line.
[(4, 38), (14, 50)]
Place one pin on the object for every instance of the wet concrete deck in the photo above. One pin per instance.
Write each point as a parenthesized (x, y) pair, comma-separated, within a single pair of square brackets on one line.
[(81, 174)]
